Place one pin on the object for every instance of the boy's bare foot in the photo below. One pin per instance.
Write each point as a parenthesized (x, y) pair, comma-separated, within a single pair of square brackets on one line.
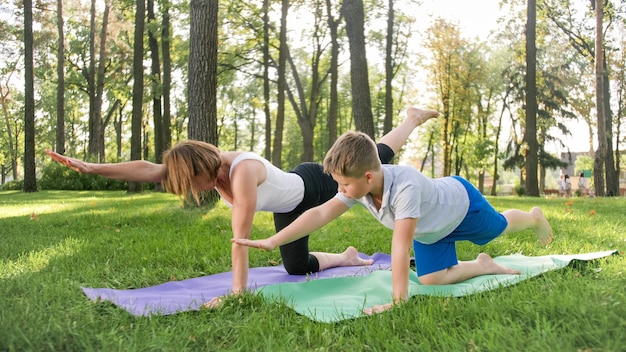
[(419, 116), (351, 257), (542, 228), (492, 267)]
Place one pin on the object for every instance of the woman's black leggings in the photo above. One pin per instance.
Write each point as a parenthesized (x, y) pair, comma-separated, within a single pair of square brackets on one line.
[(318, 188)]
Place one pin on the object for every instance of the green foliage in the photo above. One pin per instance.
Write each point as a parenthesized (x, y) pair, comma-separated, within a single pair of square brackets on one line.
[(15, 185), (520, 190), (55, 176), (582, 163)]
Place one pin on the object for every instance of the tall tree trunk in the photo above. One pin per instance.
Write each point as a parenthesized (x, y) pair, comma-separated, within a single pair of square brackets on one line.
[(90, 75), (600, 155), (155, 83), (497, 143), (389, 73), (102, 59), (266, 80), (167, 76), (137, 114), (532, 157), (353, 12), (282, 85), (203, 71), (4, 94), (30, 181), (333, 106), (612, 173), (60, 125)]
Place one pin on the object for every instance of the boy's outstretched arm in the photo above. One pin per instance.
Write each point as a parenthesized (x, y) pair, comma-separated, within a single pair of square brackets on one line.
[(306, 223), (403, 231)]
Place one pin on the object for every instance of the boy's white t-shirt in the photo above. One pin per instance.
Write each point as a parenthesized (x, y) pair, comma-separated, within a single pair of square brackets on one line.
[(281, 192), (439, 204)]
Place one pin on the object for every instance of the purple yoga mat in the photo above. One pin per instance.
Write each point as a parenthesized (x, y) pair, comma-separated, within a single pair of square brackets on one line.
[(178, 296)]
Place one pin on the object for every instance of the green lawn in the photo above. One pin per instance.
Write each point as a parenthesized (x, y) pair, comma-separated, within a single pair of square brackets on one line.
[(54, 242)]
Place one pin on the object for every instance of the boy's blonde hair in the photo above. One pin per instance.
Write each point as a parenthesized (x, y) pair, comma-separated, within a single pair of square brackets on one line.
[(186, 160), (352, 155)]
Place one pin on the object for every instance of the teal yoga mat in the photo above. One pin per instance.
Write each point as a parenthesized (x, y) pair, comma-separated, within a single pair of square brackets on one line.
[(335, 299)]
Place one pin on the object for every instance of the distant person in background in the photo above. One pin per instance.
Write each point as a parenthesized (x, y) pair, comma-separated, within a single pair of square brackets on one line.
[(565, 186), (582, 184)]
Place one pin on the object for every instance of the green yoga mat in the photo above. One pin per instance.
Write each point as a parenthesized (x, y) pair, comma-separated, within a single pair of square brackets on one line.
[(335, 299)]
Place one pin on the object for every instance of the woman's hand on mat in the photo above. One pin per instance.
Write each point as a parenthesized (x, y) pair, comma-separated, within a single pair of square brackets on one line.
[(74, 164), (379, 308), (264, 245)]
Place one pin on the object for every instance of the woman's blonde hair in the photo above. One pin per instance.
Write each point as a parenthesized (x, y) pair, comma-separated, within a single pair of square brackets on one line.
[(186, 160), (352, 155)]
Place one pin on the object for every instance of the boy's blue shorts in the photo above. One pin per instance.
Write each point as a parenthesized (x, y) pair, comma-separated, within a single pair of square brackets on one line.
[(481, 225)]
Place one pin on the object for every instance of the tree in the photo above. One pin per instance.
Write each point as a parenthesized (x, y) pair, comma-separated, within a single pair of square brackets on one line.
[(389, 69), (203, 71), (266, 80), (582, 41), (137, 114), (601, 152), (281, 86), (352, 11), (155, 83), (60, 125), (333, 104), (167, 75), (30, 180), (530, 135)]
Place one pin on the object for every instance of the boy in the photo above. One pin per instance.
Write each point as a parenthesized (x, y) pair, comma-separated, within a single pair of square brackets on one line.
[(430, 214)]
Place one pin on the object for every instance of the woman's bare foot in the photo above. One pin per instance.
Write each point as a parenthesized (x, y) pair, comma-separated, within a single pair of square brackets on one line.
[(419, 116), (491, 267), (351, 257), (542, 229)]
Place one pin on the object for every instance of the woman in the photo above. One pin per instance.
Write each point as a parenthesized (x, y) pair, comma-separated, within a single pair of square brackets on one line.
[(248, 183)]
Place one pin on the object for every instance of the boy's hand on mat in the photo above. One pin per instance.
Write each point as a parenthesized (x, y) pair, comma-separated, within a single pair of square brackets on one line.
[(379, 308), (264, 245)]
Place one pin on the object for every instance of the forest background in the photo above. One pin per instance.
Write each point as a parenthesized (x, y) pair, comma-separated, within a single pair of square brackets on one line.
[(115, 80)]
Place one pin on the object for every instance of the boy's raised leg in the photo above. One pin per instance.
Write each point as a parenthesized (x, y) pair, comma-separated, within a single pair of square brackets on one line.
[(521, 220)]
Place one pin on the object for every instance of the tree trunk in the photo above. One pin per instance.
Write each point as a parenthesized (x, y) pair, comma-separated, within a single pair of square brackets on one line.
[(353, 12), (532, 158), (167, 76), (12, 146), (202, 84), (102, 59), (60, 125), (155, 82), (90, 76), (600, 155), (30, 181), (333, 106), (282, 85), (612, 173), (266, 81), (137, 114), (389, 73)]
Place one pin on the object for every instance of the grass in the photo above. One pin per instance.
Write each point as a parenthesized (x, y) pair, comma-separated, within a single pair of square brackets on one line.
[(54, 242)]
